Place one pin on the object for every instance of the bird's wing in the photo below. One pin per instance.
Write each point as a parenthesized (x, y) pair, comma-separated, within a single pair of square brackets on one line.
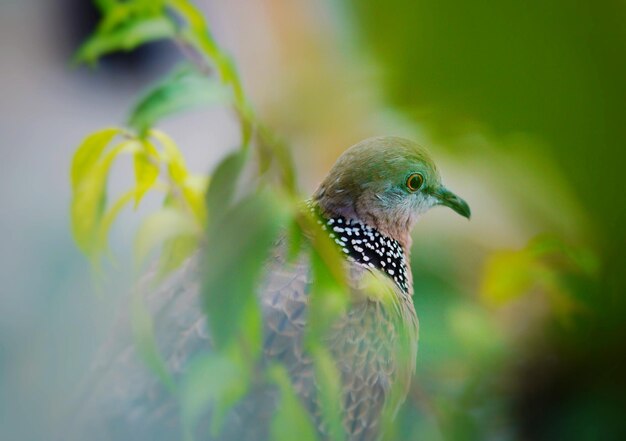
[(369, 346), (122, 399), (125, 400)]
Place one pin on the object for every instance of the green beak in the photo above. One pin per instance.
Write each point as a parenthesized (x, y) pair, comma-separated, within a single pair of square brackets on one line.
[(449, 199)]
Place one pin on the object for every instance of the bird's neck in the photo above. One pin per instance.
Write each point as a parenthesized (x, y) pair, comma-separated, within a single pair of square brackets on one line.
[(367, 246), (396, 225)]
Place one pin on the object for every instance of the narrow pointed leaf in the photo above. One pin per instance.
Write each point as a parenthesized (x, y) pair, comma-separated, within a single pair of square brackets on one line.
[(125, 37), (214, 383), (146, 170), (89, 152), (291, 421), (185, 89), (172, 156), (328, 380), (110, 216), (236, 250), (224, 180), (89, 201)]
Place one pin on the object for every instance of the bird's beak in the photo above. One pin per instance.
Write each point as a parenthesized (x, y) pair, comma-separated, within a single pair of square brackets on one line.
[(449, 199)]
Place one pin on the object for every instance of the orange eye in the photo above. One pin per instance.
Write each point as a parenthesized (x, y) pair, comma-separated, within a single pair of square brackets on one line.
[(415, 181)]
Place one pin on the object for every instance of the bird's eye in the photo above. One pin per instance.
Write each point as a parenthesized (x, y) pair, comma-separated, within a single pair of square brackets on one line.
[(415, 181)]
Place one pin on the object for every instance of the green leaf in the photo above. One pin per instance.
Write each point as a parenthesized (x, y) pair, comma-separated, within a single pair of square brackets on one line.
[(215, 382), (161, 226), (185, 89), (224, 179), (105, 5), (237, 248), (125, 37), (89, 200), (273, 151), (291, 421), (329, 297), (143, 334), (328, 381), (295, 239), (146, 170)]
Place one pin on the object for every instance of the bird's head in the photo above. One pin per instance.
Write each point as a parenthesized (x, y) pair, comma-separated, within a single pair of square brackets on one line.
[(387, 183)]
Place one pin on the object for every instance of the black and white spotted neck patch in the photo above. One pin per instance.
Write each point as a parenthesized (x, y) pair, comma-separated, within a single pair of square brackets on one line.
[(368, 246)]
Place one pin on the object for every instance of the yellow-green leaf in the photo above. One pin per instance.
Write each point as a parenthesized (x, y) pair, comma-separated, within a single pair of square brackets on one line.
[(89, 201), (109, 218), (291, 421), (161, 226), (328, 380), (146, 170), (172, 156), (508, 275), (194, 196), (214, 382), (89, 152)]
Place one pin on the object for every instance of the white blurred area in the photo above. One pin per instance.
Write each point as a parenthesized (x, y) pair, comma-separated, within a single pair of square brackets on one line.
[(306, 80)]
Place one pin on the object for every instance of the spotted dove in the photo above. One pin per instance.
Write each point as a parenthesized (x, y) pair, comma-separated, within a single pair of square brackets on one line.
[(367, 205)]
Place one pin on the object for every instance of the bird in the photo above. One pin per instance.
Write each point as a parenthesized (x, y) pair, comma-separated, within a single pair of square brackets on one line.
[(368, 205)]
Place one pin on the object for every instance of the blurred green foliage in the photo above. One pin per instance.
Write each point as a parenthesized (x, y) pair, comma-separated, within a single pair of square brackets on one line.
[(550, 68), (553, 70), (536, 352), (183, 214), (237, 233)]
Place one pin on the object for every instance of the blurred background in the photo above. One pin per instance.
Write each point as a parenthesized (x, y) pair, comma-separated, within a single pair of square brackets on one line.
[(522, 104)]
